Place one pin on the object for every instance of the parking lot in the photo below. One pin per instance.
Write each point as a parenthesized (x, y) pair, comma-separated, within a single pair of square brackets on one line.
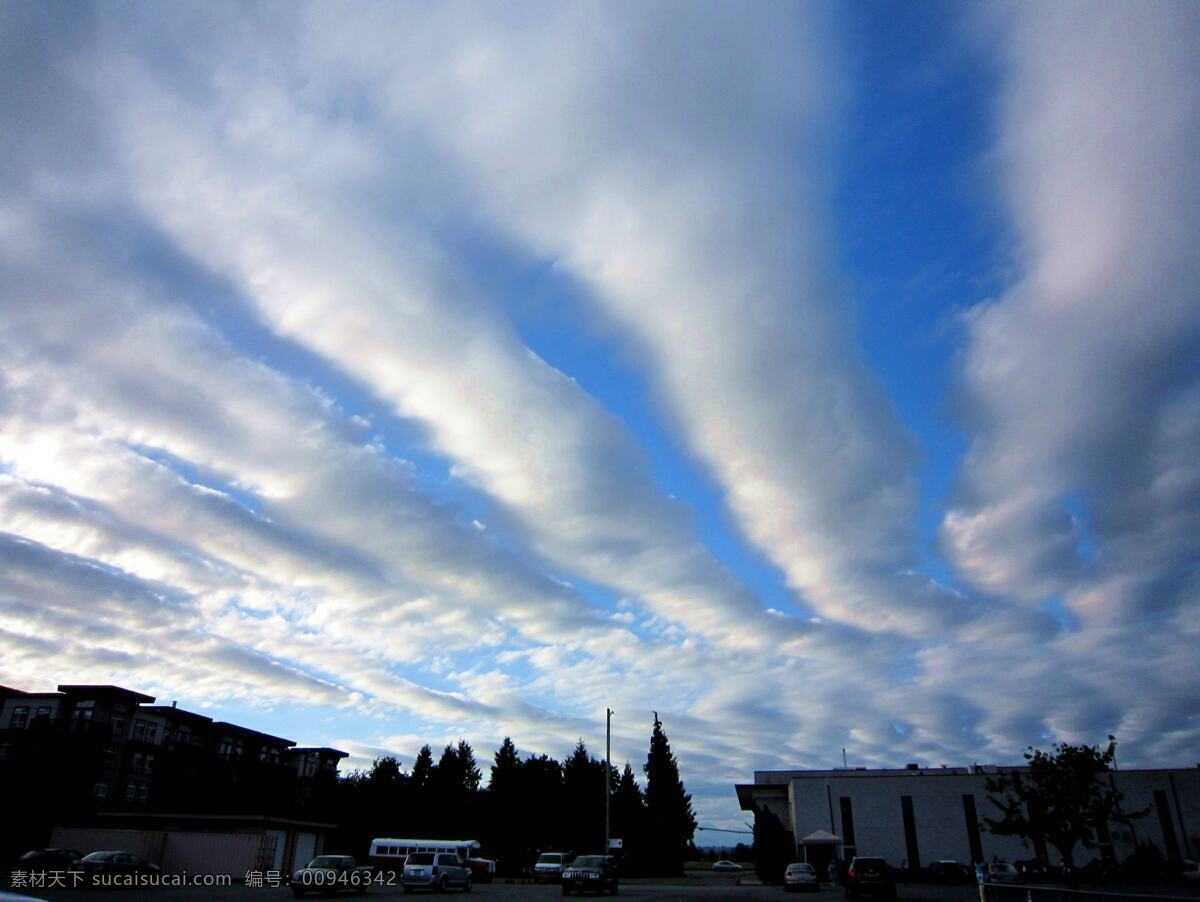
[(692, 887), (681, 889)]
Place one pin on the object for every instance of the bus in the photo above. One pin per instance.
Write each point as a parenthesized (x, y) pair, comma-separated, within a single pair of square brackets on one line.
[(388, 854)]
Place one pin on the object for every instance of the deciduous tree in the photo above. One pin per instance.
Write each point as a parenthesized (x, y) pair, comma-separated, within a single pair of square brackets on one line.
[(1061, 799)]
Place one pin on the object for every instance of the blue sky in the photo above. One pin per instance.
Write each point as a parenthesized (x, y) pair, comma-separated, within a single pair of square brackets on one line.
[(386, 374)]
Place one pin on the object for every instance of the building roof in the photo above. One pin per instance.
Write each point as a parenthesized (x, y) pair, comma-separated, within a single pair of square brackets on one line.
[(338, 753), (225, 725), (176, 713), (105, 690), (6, 692)]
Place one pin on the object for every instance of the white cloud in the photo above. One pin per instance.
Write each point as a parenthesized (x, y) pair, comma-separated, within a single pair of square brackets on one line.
[(256, 229), (1082, 481)]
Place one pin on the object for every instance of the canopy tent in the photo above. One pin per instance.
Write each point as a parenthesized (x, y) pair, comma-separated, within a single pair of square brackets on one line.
[(826, 841)]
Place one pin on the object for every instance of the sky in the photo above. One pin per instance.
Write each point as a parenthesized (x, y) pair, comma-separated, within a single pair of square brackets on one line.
[(820, 377)]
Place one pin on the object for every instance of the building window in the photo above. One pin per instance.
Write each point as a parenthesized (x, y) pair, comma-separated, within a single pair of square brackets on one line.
[(43, 712), (5, 750), (847, 825), (138, 760), (148, 764), (100, 790), (130, 791), (230, 749), (118, 724), (972, 819), (910, 832), (110, 756), (83, 710), (143, 792), (1166, 824), (20, 718)]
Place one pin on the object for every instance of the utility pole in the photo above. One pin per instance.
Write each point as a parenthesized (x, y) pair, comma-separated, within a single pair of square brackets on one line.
[(607, 782)]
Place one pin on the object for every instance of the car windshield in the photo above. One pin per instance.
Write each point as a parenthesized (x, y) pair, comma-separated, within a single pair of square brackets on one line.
[(800, 868), (549, 858), (588, 861), (100, 856), (326, 861), (870, 864), (419, 858)]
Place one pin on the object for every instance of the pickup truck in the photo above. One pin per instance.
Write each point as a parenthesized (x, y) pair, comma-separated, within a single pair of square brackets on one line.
[(330, 873)]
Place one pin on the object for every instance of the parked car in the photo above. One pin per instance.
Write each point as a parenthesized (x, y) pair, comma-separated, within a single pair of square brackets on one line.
[(483, 870), (1000, 872), (800, 875), (590, 873), (948, 872), (869, 876), (49, 860), (729, 866), (437, 871), (549, 867), (1191, 870), (330, 873), (115, 862)]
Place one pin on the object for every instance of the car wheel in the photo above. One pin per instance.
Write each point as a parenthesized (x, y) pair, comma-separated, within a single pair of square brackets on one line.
[(467, 885), (566, 890), (442, 884), (408, 890), (297, 890)]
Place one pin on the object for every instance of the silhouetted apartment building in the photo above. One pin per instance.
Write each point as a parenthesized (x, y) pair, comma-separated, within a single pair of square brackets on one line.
[(99, 755)]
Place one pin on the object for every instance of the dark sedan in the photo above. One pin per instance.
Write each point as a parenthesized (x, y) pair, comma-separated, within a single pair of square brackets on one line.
[(49, 860), (116, 863)]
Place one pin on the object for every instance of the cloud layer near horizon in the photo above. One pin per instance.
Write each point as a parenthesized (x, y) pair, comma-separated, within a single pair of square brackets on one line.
[(268, 436)]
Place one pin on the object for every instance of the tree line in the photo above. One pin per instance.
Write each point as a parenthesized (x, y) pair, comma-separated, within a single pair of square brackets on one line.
[(527, 806)]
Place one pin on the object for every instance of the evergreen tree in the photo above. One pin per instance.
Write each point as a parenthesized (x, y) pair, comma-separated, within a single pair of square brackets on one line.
[(447, 776), (506, 766), (385, 771), (504, 825), (670, 821), (467, 768), (583, 792), (772, 850), (627, 809), (422, 806), (422, 768), (542, 809)]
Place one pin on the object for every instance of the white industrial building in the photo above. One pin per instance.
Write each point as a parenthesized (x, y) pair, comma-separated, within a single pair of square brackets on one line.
[(916, 815)]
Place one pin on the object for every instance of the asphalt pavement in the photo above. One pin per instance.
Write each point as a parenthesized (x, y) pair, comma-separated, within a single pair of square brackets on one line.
[(701, 887)]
